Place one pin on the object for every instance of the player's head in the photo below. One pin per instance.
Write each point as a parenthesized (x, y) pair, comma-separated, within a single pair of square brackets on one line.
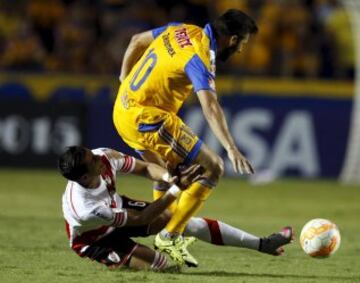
[(79, 164), (232, 31)]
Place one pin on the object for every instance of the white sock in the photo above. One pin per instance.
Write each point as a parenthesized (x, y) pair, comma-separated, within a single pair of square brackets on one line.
[(219, 233), (167, 235)]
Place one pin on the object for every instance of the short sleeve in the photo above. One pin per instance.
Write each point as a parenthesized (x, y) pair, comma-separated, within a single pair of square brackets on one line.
[(128, 164), (157, 31), (199, 75), (121, 163)]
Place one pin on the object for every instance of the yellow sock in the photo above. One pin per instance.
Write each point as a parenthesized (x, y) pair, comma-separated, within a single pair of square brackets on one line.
[(189, 204), (158, 194)]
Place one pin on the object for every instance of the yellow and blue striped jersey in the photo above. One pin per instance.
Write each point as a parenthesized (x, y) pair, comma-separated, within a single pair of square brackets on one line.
[(179, 61)]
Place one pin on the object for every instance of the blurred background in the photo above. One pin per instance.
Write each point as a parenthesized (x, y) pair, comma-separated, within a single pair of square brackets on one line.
[(289, 97)]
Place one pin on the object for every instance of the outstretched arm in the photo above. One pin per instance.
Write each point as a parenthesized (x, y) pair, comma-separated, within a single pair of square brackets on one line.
[(216, 119), (153, 172), (136, 48)]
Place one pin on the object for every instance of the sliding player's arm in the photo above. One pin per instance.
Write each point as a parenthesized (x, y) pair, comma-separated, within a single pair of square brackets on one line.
[(128, 164), (136, 48), (153, 172), (217, 121), (102, 214), (153, 210)]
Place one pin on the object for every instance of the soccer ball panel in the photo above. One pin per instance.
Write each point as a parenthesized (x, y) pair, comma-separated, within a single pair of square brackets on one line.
[(320, 238)]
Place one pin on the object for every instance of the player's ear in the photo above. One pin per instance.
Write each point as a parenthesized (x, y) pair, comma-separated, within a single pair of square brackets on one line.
[(233, 40)]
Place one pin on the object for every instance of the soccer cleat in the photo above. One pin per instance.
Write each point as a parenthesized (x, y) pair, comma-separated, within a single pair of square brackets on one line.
[(189, 241), (188, 258), (169, 246), (274, 243), (177, 249)]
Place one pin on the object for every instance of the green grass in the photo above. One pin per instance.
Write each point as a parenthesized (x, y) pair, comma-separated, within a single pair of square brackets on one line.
[(34, 248)]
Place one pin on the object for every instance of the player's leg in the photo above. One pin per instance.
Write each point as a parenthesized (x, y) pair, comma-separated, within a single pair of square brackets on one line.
[(174, 142), (118, 249), (220, 233), (166, 134), (144, 258), (159, 188), (116, 252), (190, 202), (192, 199)]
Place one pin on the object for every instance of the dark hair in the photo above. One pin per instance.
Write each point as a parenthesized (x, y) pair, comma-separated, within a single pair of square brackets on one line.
[(71, 163), (234, 22)]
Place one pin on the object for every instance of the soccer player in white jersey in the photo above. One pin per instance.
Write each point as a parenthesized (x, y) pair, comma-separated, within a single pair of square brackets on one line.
[(100, 222)]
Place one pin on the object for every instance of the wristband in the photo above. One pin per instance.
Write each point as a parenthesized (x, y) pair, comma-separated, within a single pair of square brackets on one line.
[(166, 177), (174, 190)]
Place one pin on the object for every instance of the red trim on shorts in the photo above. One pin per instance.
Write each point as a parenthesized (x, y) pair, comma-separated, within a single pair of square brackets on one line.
[(215, 232), (88, 238)]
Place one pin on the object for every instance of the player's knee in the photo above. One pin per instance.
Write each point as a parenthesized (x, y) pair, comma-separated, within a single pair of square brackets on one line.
[(216, 168)]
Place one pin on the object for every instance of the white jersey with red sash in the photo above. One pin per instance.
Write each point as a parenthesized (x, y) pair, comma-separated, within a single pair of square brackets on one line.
[(90, 214)]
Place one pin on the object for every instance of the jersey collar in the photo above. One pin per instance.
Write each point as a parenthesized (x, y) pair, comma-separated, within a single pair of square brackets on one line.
[(209, 32)]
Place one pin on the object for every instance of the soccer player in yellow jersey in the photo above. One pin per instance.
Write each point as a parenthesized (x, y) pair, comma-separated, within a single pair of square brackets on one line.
[(161, 68)]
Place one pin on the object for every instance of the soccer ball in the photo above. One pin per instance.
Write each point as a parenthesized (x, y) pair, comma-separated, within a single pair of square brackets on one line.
[(320, 238)]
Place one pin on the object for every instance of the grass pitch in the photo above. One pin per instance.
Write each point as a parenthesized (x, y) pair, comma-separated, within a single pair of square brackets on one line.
[(34, 248)]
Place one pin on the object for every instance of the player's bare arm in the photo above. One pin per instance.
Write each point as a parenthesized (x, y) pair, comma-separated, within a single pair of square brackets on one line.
[(138, 44), (153, 172), (151, 212), (217, 121), (149, 170), (182, 177)]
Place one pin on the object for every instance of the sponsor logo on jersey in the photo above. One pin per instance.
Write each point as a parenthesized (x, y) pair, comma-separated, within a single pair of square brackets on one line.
[(101, 214), (167, 44), (182, 37)]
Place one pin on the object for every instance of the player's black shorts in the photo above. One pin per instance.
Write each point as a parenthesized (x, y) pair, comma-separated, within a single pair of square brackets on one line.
[(117, 248)]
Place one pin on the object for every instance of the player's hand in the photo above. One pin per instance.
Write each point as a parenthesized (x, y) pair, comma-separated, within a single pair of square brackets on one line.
[(240, 163), (189, 175), (170, 178)]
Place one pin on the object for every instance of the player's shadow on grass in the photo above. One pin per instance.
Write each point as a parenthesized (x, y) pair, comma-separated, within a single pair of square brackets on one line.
[(244, 274)]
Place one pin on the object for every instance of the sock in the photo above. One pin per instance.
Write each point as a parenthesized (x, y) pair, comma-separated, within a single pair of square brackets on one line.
[(190, 202), (158, 193), (159, 263), (219, 233)]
